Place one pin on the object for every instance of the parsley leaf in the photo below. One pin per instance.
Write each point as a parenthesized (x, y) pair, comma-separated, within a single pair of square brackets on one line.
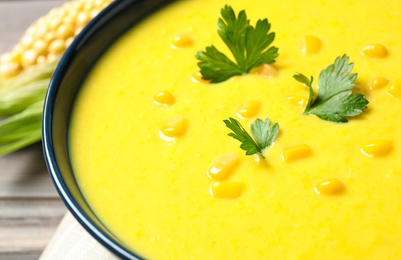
[(335, 100), (264, 135), (248, 44)]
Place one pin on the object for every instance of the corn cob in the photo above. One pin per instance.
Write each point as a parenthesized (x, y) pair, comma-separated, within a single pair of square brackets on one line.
[(26, 70), (49, 36)]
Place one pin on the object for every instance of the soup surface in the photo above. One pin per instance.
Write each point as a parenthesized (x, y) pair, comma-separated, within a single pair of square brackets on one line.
[(147, 137)]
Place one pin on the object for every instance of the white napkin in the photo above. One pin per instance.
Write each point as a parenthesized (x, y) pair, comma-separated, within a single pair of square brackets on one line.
[(72, 241)]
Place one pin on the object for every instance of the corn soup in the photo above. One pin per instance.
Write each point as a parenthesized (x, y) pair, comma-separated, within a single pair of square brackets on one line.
[(152, 157)]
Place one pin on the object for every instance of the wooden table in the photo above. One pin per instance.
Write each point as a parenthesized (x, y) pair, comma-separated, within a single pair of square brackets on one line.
[(30, 208)]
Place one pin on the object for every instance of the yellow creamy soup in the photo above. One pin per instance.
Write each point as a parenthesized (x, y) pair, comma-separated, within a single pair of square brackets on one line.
[(153, 159)]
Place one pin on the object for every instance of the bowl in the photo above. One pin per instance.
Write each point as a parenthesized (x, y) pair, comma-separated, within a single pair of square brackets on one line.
[(75, 64)]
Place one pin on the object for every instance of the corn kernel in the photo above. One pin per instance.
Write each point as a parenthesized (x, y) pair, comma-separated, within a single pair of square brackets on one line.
[(197, 78), (310, 45), (57, 46), (50, 36), (82, 19), (164, 98), (377, 148), (295, 152), (68, 41), (374, 51), (51, 57), (266, 71), (300, 101), (29, 58), (77, 6), (55, 23), (27, 41), (93, 13), (329, 186), (248, 109), (175, 127), (378, 82), (41, 59), (88, 5), (40, 47), (394, 89), (64, 31), (16, 56), (69, 21), (9, 69), (182, 41), (226, 190), (222, 167), (78, 30), (99, 3)]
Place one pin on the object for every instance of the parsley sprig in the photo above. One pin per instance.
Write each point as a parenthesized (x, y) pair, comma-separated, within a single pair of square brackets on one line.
[(334, 100), (249, 46), (263, 135)]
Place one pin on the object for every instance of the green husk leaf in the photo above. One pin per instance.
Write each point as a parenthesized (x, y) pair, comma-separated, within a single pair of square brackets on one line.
[(29, 87), (22, 129), (21, 105)]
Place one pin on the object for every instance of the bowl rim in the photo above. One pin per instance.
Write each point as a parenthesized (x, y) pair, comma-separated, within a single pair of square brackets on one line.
[(47, 128)]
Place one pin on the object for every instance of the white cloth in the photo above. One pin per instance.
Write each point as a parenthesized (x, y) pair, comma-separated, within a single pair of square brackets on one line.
[(72, 241)]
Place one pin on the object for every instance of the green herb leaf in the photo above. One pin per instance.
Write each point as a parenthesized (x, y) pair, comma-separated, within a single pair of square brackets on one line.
[(249, 45), (264, 135), (335, 100)]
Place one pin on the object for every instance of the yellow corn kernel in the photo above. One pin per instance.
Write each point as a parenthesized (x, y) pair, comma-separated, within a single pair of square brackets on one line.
[(329, 186), (27, 41), (310, 45), (182, 41), (265, 70), (64, 31), (374, 51), (78, 30), (57, 46), (226, 190), (69, 21), (54, 23), (68, 41), (29, 58), (197, 78), (223, 166), (164, 98), (176, 127), (394, 89), (88, 5), (377, 148), (248, 109), (40, 46), (93, 13), (300, 101), (41, 59), (51, 57), (77, 6), (9, 69), (295, 152), (49, 36), (378, 82), (82, 19)]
